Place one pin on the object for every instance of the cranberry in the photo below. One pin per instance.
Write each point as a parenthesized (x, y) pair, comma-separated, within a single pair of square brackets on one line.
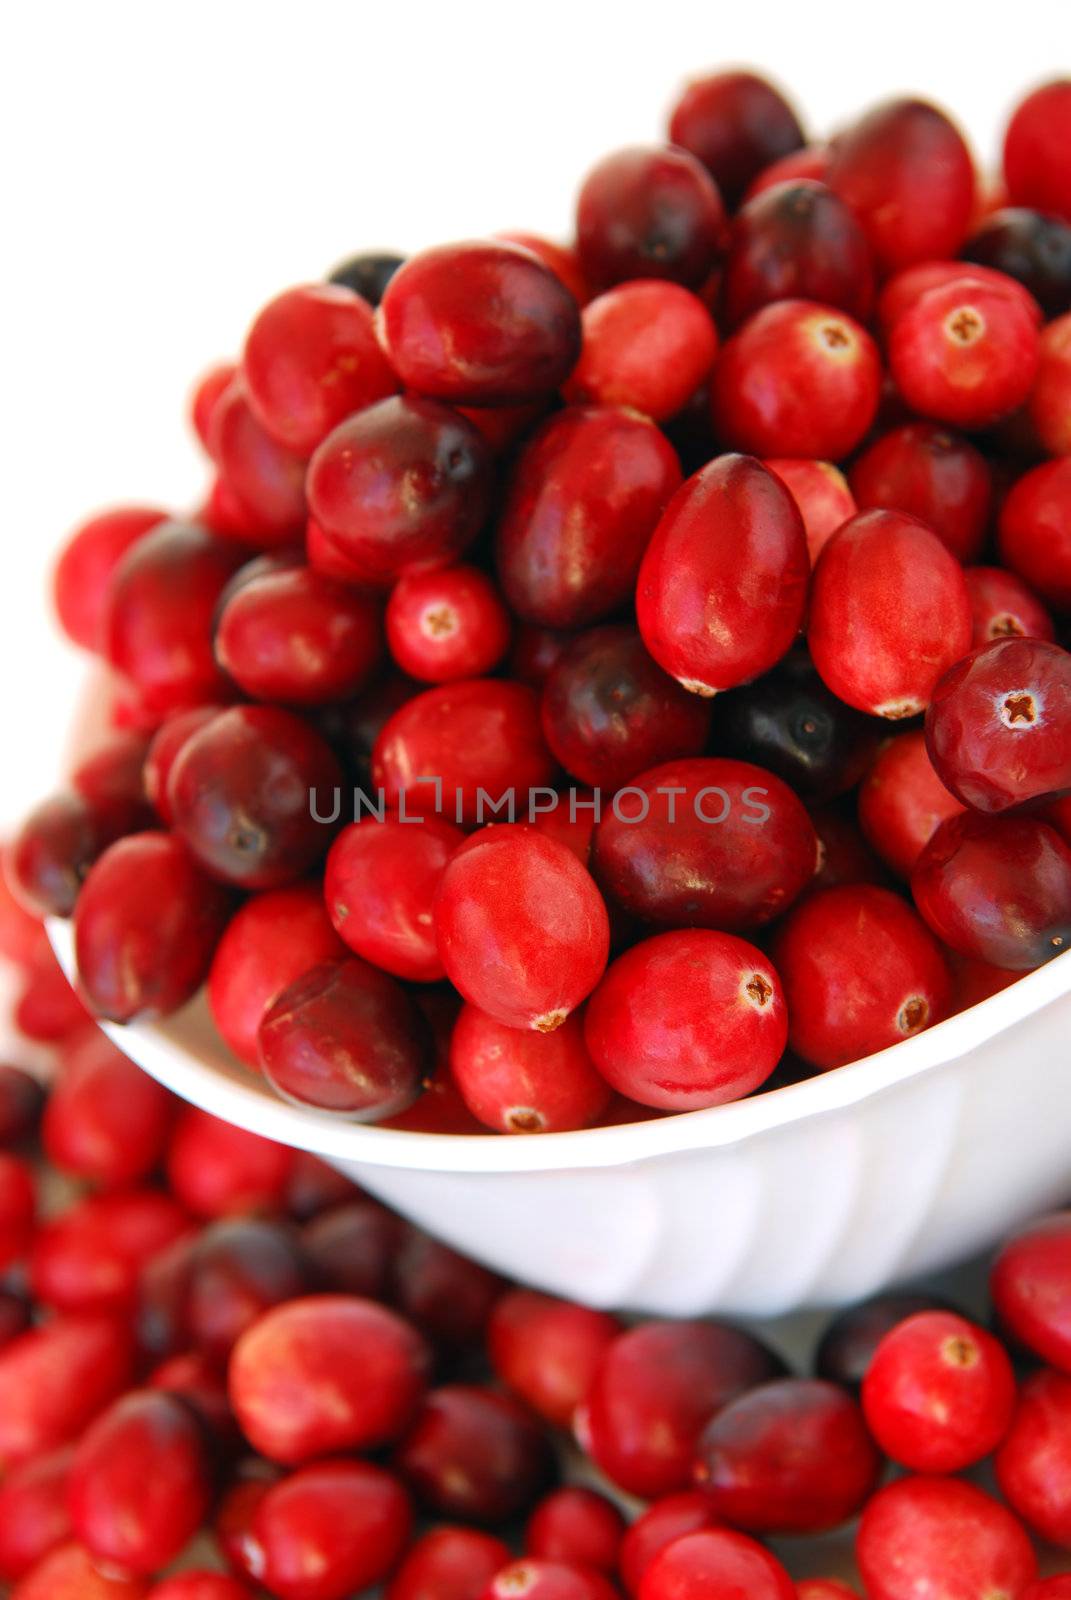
[(55, 1378), (23, 940), (475, 1454), (942, 1536), (68, 1573), (810, 161), (559, 258), (235, 1271), (696, 620), (939, 1393), (201, 1384), (233, 1523), (902, 802), (265, 480), (217, 1170), (655, 1390), (380, 887), (715, 1562), (479, 323), (1029, 1283), (577, 1526), (1050, 401), (1032, 248), (964, 354), (1004, 607), (935, 476), (1036, 167), (822, 497), (1056, 1588), (352, 1247), (547, 1350), (535, 652), (105, 1120), (647, 345), (449, 1564), (903, 291), (1035, 531), (298, 637), (797, 241), (22, 1100), (997, 889), (843, 854), (446, 625), (92, 1256), (737, 124), (707, 843), (83, 573), (516, 1081), (33, 1513), (315, 1186), (326, 1373), (18, 1207), (548, 1580), (207, 392), (649, 212), (367, 273), (330, 1529), (523, 931), (47, 1008), (907, 174), (52, 852), (447, 1296), (580, 510), (890, 613), (792, 1456), (199, 1586), (669, 1519), (164, 749)]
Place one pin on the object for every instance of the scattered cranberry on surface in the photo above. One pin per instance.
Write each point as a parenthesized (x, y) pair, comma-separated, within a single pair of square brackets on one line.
[(474, 1454), (330, 1529), (449, 1564), (964, 354), (82, 577), (548, 1350), (577, 1526), (1030, 1284), (1033, 1460), (716, 1561), (942, 1532)]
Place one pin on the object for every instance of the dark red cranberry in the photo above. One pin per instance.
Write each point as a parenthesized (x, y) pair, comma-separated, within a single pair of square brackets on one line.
[(647, 345), (207, 392), (367, 274), (299, 638), (92, 1256), (535, 652), (547, 1350), (1028, 1285), (737, 124), (934, 475), (218, 1170), (380, 887), (54, 1379), (444, 1294), (202, 1385), (649, 212), (716, 1561), (164, 749), (1035, 150), (1032, 247), (447, 625), (475, 1454), (264, 479), (53, 850), (1035, 531), (22, 1100), (580, 509), (352, 1247), (236, 1270), (797, 241), (672, 1517), (965, 354), (33, 1512), (18, 1207), (330, 1530), (449, 1564), (105, 1121), (1033, 1462), (811, 161), (997, 889), (902, 802), (922, 1532), (82, 577), (479, 323), (577, 1526), (315, 1186), (518, 1081)]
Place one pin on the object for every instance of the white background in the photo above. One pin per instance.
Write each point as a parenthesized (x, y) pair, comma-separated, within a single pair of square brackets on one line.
[(166, 168)]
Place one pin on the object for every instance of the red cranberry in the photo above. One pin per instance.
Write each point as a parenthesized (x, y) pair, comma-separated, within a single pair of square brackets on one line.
[(798, 379), (311, 359), (890, 613), (92, 1256), (944, 1536), (716, 1561), (535, 652), (22, 1100), (580, 509), (328, 560), (907, 174), (1004, 607), (161, 605), (352, 1247), (449, 1564), (792, 1456), (47, 1009), (737, 124), (935, 476), (199, 1586), (1050, 401), (233, 1523), (647, 345), (1030, 246), (50, 856), (822, 497), (330, 1529), (475, 1454), (649, 212), (18, 1207), (33, 1513), (23, 940), (264, 479), (811, 161), (217, 1170), (902, 802), (164, 749), (516, 1081), (1029, 1286), (797, 241), (657, 1387), (461, 749), (202, 1385), (235, 1271), (55, 1378), (209, 389), (83, 573), (447, 1296), (105, 1120), (559, 258), (111, 778), (323, 1374), (1036, 168), (547, 1351), (68, 1573), (696, 621), (578, 1527), (298, 637), (964, 354), (1034, 1460), (548, 1580), (446, 625), (480, 323), (402, 487), (669, 1519), (707, 843), (997, 889), (903, 291), (380, 888), (1035, 531)]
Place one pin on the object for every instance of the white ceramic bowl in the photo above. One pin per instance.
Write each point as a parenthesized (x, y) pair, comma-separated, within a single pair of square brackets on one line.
[(816, 1194)]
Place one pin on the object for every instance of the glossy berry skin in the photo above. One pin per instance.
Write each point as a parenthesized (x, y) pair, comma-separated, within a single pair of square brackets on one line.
[(707, 843), (1005, 607), (401, 487), (1050, 400), (69, 1573), (847, 1347), (810, 161), (91, 1258), (737, 124), (890, 613), (921, 1533), (577, 1526), (33, 1512), (449, 1564), (55, 1378), (997, 889), (672, 1517), (964, 354), (263, 481), (1032, 1462), (939, 1394), (1056, 1588), (145, 928), (933, 475), (798, 379), (246, 793), (716, 1561), (580, 509), (610, 712), (1035, 531), (547, 1351), (791, 1456), (380, 886), (903, 291), (1033, 247), (561, 259), (797, 241), (311, 359), (299, 638), (475, 1455), (323, 1374), (654, 1392), (1028, 1283), (479, 323), (53, 850), (479, 738), (329, 1530), (907, 174), (822, 495), (1036, 166), (647, 345), (695, 620), (83, 573), (902, 802), (446, 625), (217, 1170), (105, 1121), (519, 1081), (161, 604), (548, 1580), (648, 212), (163, 752), (274, 938)]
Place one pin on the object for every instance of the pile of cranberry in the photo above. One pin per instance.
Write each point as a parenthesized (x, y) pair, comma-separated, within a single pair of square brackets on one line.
[(535, 726)]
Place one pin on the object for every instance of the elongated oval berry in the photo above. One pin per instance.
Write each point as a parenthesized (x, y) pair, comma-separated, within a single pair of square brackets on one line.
[(380, 887), (517, 1081), (723, 583), (890, 612)]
